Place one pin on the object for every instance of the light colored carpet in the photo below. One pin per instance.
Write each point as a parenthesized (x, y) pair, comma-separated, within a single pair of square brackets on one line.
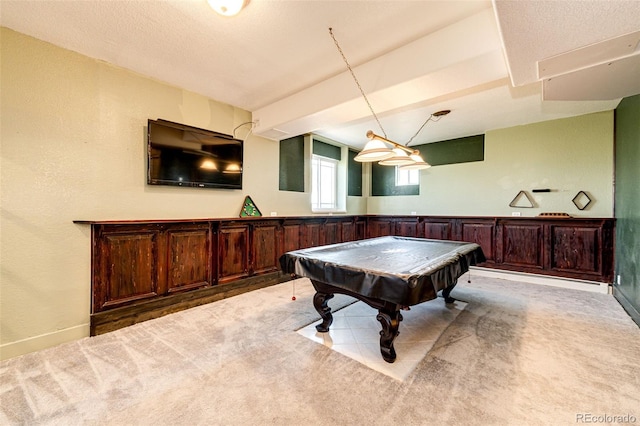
[(518, 354)]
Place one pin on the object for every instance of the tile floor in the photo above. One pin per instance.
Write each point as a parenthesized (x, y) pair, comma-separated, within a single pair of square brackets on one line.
[(355, 333)]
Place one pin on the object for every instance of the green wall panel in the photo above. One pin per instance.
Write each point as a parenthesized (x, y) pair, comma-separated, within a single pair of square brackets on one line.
[(292, 164), (354, 176), (383, 182), (627, 201), (326, 150), (452, 151)]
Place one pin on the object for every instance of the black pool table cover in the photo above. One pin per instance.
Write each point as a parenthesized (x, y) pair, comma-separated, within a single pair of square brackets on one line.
[(402, 270)]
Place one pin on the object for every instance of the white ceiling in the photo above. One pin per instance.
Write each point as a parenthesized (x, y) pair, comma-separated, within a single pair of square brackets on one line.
[(277, 59)]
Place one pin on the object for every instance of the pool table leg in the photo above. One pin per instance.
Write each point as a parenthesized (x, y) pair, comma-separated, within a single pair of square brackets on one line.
[(390, 321), (320, 303), (447, 292)]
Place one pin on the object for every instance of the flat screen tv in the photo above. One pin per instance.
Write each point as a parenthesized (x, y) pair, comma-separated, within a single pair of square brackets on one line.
[(182, 155)]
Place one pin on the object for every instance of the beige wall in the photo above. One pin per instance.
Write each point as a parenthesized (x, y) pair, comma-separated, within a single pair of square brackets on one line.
[(73, 148), (566, 156)]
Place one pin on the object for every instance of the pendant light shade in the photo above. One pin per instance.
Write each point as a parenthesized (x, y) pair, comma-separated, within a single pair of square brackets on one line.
[(418, 163), (374, 150), (400, 158)]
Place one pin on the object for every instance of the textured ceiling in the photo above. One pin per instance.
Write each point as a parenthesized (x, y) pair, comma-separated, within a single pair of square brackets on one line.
[(557, 27), (277, 59)]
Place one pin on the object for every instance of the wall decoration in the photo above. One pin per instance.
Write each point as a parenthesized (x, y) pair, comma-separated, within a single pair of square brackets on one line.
[(249, 208), (581, 200), (521, 196)]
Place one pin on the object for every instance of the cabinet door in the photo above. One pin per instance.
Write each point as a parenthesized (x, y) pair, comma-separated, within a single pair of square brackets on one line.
[(188, 261), (311, 234), (407, 227), (522, 245), (233, 246), (330, 233), (126, 268), (265, 248), (575, 249), (482, 234), (291, 237), (361, 229), (380, 227), (348, 231), (437, 230)]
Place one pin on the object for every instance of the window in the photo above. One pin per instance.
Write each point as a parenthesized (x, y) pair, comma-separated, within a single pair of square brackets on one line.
[(407, 177), (324, 187)]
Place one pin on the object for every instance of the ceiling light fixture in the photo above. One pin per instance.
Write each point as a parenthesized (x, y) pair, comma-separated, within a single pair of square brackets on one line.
[(375, 150), (227, 7)]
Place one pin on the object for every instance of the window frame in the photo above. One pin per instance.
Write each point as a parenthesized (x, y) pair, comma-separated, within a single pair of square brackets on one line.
[(317, 186), (412, 177)]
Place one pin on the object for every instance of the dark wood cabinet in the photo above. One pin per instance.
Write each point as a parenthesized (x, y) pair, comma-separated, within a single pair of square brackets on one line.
[(481, 232), (331, 233), (575, 248), (140, 267), (380, 227), (580, 248), (520, 245), (138, 262), (127, 271), (265, 248), (188, 258), (233, 257), (311, 234), (407, 227), (436, 229)]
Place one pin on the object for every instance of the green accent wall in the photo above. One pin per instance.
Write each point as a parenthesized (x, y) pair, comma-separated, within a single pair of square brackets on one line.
[(354, 175), (453, 151), (383, 182), (326, 150), (292, 164), (627, 205)]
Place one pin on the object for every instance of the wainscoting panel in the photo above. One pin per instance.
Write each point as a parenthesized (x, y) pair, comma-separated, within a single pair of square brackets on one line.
[(575, 249), (265, 248), (522, 245), (144, 269), (188, 263), (126, 266), (234, 252)]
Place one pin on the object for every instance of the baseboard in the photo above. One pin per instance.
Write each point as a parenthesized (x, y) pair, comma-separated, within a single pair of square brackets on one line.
[(574, 284), (627, 305), (43, 341)]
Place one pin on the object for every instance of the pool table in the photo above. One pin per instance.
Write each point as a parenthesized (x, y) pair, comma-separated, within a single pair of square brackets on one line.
[(387, 273)]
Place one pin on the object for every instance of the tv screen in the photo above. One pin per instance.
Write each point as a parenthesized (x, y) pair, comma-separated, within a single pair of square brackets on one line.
[(182, 155)]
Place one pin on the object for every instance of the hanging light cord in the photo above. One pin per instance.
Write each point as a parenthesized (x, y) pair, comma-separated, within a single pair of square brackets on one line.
[(433, 117), (344, 58)]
